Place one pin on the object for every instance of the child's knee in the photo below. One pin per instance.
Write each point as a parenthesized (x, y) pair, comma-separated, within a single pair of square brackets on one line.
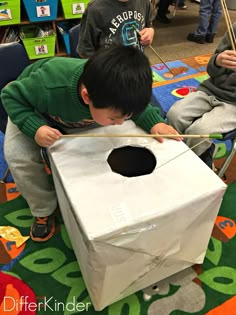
[(10, 156), (175, 112), (198, 128)]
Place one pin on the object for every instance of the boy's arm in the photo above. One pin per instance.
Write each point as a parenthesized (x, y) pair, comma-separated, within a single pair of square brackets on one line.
[(148, 118), (213, 69), (20, 99), (89, 33), (146, 35), (152, 122)]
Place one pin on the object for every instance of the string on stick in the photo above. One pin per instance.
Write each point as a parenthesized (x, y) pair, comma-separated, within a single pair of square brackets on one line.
[(189, 149)]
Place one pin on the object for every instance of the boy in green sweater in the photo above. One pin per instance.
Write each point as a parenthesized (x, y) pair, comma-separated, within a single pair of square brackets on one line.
[(62, 93)]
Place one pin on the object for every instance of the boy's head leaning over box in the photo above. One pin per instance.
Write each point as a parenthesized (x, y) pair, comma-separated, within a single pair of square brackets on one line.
[(118, 77)]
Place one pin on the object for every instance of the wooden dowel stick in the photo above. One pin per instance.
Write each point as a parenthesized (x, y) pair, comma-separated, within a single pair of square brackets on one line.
[(155, 52), (229, 25), (95, 135), (231, 29)]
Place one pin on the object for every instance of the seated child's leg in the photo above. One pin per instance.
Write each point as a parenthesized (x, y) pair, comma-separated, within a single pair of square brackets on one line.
[(199, 114), (199, 127), (205, 147), (207, 156), (25, 162), (220, 119), (183, 112)]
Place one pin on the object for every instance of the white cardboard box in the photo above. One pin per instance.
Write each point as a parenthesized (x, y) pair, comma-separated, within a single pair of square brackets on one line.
[(130, 232)]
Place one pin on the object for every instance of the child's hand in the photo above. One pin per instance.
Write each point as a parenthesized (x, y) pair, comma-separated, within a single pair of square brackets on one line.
[(146, 36), (226, 59), (164, 129), (46, 136)]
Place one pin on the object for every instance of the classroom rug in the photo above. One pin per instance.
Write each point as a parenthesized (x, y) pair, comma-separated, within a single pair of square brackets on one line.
[(45, 278), (185, 76)]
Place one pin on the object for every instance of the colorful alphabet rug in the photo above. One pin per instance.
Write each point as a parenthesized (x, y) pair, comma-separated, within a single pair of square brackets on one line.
[(185, 76)]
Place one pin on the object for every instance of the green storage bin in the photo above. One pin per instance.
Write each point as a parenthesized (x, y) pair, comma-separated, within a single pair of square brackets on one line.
[(74, 9), (9, 12), (37, 47)]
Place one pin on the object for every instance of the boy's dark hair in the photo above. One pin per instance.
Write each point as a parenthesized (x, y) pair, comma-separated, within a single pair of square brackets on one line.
[(119, 77)]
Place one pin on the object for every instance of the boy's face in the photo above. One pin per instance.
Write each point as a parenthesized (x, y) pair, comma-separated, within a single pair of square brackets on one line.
[(102, 116), (107, 116)]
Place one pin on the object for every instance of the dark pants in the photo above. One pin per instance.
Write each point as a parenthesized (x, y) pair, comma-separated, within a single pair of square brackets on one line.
[(207, 156), (163, 7), (179, 3)]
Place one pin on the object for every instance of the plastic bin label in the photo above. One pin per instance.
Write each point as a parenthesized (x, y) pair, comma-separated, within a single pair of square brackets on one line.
[(78, 8), (5, 14), (41, 50), (43, 10)]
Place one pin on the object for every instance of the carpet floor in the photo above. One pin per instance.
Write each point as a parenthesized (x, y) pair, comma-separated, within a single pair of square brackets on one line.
[(48, 274)]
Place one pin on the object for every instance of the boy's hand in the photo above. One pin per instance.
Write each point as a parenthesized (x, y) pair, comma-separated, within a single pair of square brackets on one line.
[(146, 36), (226, 59), (46, 136), (164, 129)]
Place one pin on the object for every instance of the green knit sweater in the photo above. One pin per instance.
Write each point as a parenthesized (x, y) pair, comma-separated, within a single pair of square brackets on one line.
[(50, 86)]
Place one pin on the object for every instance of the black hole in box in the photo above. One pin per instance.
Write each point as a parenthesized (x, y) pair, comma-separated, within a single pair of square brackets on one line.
[(132, 161)]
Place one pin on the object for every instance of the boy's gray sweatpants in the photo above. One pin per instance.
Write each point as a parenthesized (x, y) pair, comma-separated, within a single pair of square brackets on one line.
[(25, 162), (199, 113)]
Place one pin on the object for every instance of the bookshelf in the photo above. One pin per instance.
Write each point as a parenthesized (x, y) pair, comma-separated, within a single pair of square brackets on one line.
[(16, 16)]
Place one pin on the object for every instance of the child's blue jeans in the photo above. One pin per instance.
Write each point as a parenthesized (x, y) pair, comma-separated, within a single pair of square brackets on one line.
[(209, 17)]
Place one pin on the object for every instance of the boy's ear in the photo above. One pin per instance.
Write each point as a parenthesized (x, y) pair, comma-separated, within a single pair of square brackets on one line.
[(85, 96)]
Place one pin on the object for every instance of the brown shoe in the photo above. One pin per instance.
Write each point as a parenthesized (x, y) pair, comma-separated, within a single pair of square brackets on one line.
[(43, 228)]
